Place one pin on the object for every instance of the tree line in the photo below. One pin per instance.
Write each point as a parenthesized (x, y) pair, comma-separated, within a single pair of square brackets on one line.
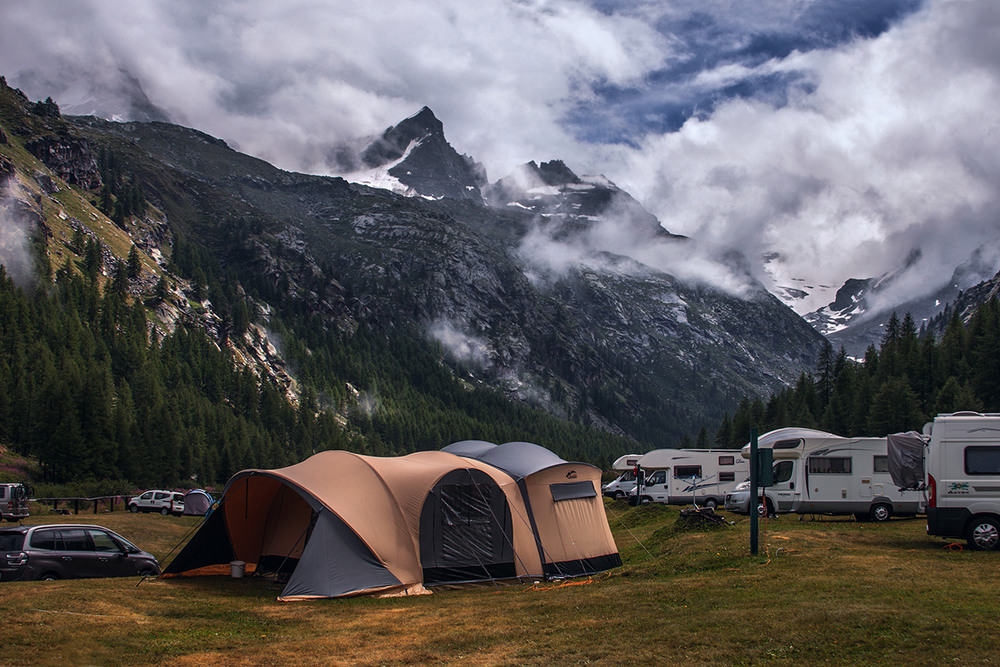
[(88, 391), (898, 386)]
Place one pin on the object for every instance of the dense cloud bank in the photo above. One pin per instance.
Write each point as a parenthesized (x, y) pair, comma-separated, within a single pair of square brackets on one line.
[(839, 134)]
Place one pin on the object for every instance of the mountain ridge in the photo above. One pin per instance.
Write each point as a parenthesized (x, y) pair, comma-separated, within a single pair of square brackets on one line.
[(607, 341)]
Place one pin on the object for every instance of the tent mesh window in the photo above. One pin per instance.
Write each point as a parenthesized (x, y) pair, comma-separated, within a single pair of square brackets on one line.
[(467, 535), (465, 531)]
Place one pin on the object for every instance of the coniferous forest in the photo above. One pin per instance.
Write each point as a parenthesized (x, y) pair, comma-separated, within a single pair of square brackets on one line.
[(912, 376), (87, 392)]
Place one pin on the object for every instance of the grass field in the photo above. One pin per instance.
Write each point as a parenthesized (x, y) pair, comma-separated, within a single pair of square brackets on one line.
[(827, 590)]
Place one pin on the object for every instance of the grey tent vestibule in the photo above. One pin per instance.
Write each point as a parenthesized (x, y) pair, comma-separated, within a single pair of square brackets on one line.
[(341, 524)]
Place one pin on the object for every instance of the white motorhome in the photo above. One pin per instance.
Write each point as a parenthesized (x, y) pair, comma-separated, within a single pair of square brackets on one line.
[(624, 484), (962, 459), (821, 473), (700, 476)]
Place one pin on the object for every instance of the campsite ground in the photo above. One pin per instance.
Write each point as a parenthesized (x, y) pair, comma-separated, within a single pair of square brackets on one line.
[(827, 590)]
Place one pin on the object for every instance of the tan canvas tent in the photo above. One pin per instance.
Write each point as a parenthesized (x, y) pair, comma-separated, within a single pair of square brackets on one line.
[(341, 523)]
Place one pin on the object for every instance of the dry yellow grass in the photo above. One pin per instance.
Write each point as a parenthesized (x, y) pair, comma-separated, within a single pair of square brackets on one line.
[(826, 591)]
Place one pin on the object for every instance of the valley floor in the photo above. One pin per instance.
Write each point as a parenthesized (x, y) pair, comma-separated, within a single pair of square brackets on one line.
[(823, 590)]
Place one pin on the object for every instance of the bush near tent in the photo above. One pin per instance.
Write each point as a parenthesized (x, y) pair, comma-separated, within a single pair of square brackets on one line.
[(342, 524)]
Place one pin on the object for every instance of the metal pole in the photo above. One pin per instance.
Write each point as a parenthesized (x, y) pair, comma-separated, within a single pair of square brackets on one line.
[(754, 477)]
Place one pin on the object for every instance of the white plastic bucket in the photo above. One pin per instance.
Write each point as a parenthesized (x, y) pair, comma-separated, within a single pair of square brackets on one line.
[(237, 568)]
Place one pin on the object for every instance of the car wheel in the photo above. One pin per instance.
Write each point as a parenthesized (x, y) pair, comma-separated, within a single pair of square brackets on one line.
[(984, 534), (164, 511), (148, 572), (49, 576), (133, 508), (711, 503), (880, 512)]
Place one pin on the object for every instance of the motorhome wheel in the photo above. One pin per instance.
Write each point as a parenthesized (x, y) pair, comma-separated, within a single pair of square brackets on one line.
[(984, 534), (711, 503), (770, 509), (881, 512), (618, 495)]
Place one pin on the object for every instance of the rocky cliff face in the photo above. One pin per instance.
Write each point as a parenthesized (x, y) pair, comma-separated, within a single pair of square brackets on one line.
[(606, 340)]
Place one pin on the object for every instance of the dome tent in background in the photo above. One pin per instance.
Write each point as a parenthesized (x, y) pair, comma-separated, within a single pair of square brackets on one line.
[(198, 502)]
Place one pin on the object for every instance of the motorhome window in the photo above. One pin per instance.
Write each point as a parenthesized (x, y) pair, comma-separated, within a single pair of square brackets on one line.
[(782, 471), (787, 444), (684, 472), (727, 477), (982, 460), (727, 460), (830, 465), (3, 492), (881, 464), (658, 477)]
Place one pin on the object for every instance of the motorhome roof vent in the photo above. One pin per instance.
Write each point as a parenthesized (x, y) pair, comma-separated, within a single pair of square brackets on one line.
[(787, 444), (966, 413)]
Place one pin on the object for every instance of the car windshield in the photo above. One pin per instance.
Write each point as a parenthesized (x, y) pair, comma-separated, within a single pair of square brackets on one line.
[(11, 541)]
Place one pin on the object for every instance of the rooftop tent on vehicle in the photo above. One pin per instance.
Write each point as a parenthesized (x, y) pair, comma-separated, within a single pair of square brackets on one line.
[(341, 524), (198, 502), (564, 505)]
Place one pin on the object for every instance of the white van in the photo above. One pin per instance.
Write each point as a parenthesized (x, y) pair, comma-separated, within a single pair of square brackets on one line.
[(700, 476), (624, 484), (962, 458), (821, 473)]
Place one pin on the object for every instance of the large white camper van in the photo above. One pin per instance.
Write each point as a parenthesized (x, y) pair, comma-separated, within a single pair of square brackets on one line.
[(681, 476), (963, 478), (820, 473), (624, 484)]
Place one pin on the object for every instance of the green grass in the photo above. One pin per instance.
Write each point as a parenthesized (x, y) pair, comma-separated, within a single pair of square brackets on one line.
[(828, 591)]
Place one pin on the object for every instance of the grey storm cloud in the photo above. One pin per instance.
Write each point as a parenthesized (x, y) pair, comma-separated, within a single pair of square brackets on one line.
[(839, 134)]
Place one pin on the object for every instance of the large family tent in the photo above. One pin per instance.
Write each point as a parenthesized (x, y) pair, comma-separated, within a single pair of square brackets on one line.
[(341, 524), (564, 505)]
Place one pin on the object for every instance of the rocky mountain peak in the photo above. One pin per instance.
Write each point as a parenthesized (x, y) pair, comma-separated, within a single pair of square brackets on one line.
[(554, 172), (415, 158), (392, 144)]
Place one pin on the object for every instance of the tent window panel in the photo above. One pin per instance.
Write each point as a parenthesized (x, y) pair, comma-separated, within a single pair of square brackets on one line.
[(571, 490), (467, 519)]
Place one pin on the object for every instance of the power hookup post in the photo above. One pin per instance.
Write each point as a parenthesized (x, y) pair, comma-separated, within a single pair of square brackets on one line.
[(761, 476)]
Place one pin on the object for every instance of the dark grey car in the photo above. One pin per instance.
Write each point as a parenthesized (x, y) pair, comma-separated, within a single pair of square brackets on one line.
[(70, 551)]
